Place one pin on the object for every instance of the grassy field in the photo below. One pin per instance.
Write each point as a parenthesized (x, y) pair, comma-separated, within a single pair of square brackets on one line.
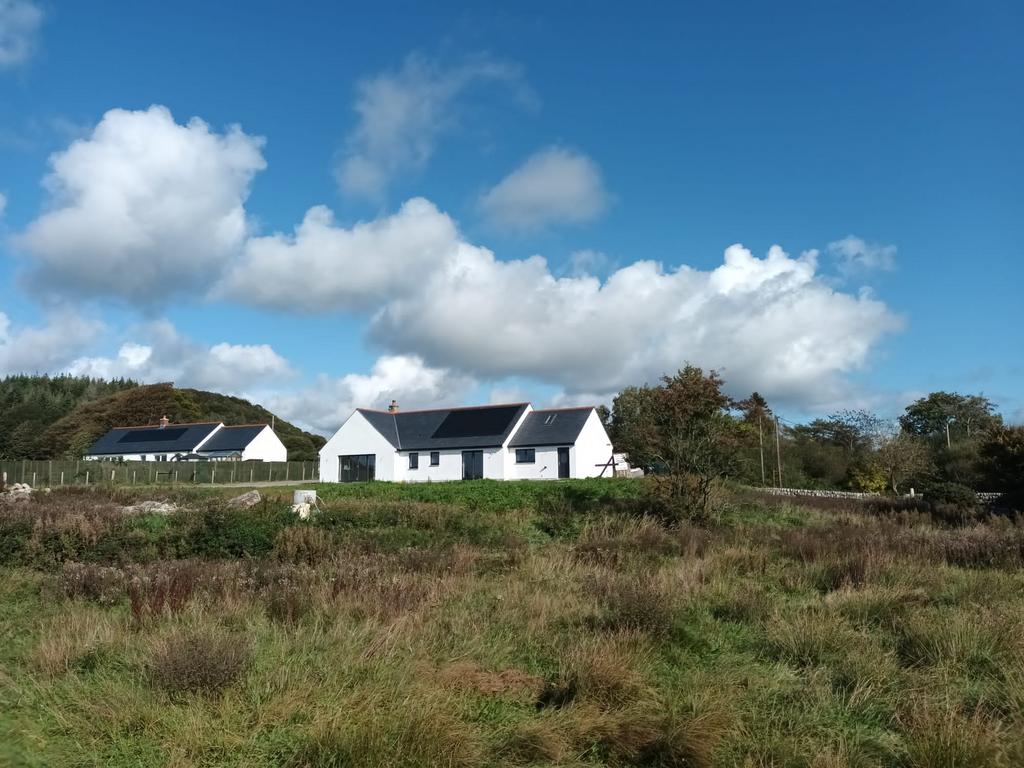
[(506, 624)]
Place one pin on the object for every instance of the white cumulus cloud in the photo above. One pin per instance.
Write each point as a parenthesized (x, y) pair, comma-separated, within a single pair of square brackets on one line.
[(770, 324), (402, 116), (163, 354), (323, 406), (19, 28), (142, 209), (553, 186), (854, 254), (324, 266), (45, 348), (773, 324)]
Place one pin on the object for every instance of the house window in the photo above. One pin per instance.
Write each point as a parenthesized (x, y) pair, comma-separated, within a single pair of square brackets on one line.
[(414, 461), (357, 469), (526, 455), (435, 458), (550, 418)]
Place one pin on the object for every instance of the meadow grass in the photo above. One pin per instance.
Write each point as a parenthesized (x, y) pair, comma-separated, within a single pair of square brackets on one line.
[(540, 625)]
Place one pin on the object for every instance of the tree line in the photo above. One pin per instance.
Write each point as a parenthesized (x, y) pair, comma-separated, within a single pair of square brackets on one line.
[(689, 434)]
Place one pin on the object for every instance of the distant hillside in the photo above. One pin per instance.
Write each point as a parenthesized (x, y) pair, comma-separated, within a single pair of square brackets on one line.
[(43, 417)]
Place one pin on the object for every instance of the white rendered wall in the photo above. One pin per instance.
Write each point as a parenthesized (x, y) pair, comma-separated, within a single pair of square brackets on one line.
[(544, 468), (593, 447), (449, 466), (509, 471), (266, 446), (356, 437)]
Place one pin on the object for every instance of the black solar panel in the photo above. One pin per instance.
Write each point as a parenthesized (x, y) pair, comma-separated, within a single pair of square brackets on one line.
[(475, 422), (152, 435)]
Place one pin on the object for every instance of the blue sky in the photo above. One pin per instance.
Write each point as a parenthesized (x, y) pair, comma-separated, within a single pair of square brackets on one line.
[(879, 145)]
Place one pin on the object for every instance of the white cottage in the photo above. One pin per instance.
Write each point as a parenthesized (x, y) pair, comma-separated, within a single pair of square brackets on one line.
[(501, 442), (205, 441)]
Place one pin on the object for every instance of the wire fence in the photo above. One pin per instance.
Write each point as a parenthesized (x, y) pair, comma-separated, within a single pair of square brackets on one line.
[(71, 472)]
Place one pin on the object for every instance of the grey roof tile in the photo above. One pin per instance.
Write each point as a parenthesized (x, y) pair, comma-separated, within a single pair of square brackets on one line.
[(174, 438), (557, 426), (485, 426)]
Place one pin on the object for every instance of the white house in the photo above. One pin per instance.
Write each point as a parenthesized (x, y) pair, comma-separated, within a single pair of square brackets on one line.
[(502, 442), (206, 441)]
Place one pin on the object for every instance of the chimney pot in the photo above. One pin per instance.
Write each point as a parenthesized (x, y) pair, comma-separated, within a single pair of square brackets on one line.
[(393, 408), (164, 421)]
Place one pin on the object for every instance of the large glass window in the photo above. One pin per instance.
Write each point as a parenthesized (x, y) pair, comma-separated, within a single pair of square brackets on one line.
[(357, 469), (414, 460), (526, 455)]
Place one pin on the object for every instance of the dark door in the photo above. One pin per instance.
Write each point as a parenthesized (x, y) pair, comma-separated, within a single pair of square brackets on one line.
[(563, 462), (472, 465)]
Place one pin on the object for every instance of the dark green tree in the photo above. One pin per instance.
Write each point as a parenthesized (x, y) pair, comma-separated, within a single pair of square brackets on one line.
[(946, 417)]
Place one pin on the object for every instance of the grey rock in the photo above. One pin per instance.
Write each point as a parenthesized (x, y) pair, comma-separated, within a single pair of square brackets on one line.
[(246, 500), (151, 508)]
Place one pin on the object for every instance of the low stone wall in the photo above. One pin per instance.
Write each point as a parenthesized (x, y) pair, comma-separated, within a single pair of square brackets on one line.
[(983, 498), (817, 493)]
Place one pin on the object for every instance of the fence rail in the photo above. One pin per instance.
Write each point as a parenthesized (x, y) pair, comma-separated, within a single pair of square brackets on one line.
[(70, 472)]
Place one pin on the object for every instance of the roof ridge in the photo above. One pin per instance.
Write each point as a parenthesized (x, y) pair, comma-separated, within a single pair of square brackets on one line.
[(175, 424), (449, 408), (565, 408)]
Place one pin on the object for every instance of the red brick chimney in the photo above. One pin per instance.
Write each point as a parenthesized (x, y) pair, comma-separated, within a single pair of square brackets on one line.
[(164, 421), (393, 408)]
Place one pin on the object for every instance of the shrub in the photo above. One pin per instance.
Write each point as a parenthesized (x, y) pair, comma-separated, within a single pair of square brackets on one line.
[(288, 603), (164, 588), (633, 602), (197, 661), (98, 583), (303, 544)]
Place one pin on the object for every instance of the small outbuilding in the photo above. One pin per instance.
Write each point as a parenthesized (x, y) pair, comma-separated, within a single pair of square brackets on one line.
[(502, 442)]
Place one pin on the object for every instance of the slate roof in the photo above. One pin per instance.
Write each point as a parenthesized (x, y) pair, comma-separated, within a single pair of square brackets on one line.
[(174, 438), (232, 438), (557, 426), (486, 426)]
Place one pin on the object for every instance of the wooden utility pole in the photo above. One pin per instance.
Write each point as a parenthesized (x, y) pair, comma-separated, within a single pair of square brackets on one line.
[(778, 450), (760, 443)]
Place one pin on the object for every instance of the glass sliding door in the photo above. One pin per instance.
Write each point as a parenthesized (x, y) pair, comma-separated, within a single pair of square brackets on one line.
[(357, 468), (472, 465)]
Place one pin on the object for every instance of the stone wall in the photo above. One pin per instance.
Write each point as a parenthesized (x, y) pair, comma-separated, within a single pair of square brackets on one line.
[(983, 498)]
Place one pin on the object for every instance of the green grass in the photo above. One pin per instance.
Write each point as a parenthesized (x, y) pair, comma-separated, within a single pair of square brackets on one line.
[(489, 624)]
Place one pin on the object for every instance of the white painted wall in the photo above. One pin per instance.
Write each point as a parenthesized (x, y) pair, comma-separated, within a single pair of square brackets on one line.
[(449, 466), (266, 446), (358, 436), (544, 468), (593, 447)]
